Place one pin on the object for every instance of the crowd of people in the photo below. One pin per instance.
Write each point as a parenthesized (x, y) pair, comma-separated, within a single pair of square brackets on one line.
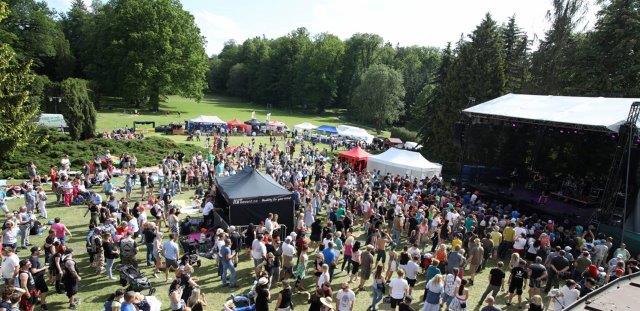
[(411, 243)]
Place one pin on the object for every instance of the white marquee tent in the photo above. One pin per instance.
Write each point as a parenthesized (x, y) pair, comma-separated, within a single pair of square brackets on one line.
[(595, 113), (355, 133), (207, 120), (306, 126), (403, 162)]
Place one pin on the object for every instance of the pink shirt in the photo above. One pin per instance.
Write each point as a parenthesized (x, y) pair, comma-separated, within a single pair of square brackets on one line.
[(58, 228)]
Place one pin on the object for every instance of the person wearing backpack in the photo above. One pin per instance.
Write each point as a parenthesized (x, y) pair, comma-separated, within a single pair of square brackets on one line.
[(128, 250)]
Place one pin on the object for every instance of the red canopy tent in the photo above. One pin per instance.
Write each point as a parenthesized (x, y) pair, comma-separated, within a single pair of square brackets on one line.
[(356, 156), (237, 124)]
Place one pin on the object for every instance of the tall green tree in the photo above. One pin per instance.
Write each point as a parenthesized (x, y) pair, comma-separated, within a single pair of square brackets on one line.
[(284, 66), (615, 46), (320, 71), (432, 96), (362, 51), (552, 68), (77, 108), (238, 80), (378, 97), (149, 49), (418, 66), (516, 57), (34, 35), (16, 112), (77, 25), (476, 75), (219, 70)]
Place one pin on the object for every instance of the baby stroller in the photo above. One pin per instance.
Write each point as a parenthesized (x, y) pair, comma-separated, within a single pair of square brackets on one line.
[(133, 279), (190, 252)]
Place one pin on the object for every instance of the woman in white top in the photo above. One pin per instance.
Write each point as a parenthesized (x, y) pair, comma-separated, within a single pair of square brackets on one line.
[(324, 276)]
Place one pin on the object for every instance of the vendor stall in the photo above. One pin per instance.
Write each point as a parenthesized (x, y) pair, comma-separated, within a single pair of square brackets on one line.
[(403, 162), (357, 157), (204, 123)]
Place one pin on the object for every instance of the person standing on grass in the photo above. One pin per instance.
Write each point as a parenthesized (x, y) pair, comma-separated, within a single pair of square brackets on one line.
[(399, 288), (10, 266), (496, 282), (171, 253), (434, 289), (41, 200), (228, 268), (517, 281), (110, 253), (476, 256), (24, 223), (346, 298), (411, 270), (537, 273), (60, 230), (70, 278), (38, 272), (378, 287), (366, 263), (451, 283)]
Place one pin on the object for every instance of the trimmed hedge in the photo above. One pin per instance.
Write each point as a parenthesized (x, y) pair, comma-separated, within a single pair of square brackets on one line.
[(51, 146), (404, 134)]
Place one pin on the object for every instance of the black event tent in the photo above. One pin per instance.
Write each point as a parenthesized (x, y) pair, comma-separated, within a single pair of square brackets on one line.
[(250, 195)]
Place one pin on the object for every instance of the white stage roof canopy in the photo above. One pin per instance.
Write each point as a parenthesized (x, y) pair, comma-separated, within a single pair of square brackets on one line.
[(595, 113)]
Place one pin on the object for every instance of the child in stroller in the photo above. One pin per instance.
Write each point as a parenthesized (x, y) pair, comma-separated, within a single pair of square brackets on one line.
[(134, 280)]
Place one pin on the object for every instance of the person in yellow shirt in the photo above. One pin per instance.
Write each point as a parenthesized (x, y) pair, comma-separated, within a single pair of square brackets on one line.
[(496, 239), (508, 236), (456, 242)]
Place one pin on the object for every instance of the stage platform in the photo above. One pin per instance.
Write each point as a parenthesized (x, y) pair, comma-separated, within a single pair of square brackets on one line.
[(526, 201)]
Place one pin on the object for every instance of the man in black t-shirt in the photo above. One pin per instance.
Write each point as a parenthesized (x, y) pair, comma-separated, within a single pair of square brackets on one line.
[(537, 273), (496, 282), (516, 281)]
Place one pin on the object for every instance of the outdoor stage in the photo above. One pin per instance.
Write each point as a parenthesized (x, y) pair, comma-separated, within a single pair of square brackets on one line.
[(526, 201)]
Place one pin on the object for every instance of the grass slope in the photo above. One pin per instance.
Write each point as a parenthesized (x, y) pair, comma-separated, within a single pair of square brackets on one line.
[(226, 108)]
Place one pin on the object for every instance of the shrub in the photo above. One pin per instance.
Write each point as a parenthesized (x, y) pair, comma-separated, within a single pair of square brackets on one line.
[(51, 146), (404, 134)]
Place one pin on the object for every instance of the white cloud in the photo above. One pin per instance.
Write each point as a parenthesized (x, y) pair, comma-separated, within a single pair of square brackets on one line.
[(217, 29)]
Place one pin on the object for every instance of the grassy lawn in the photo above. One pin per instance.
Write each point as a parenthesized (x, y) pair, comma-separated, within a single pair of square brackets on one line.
[(226, 108)]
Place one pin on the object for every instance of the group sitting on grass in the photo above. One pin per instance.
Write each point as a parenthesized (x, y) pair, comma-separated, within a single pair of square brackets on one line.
[(410, 243)]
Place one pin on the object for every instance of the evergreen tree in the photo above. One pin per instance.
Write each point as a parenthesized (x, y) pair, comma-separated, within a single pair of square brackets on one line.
[(615, 44), (476, 75), (16, 112), (516, 58), (552, 68), (77, 108)]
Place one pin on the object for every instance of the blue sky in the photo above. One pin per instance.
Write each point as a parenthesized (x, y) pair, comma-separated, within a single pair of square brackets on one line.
[(404, 22)]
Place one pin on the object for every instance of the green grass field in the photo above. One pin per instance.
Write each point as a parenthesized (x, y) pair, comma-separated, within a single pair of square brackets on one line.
[(226, 108), (94, 288)]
